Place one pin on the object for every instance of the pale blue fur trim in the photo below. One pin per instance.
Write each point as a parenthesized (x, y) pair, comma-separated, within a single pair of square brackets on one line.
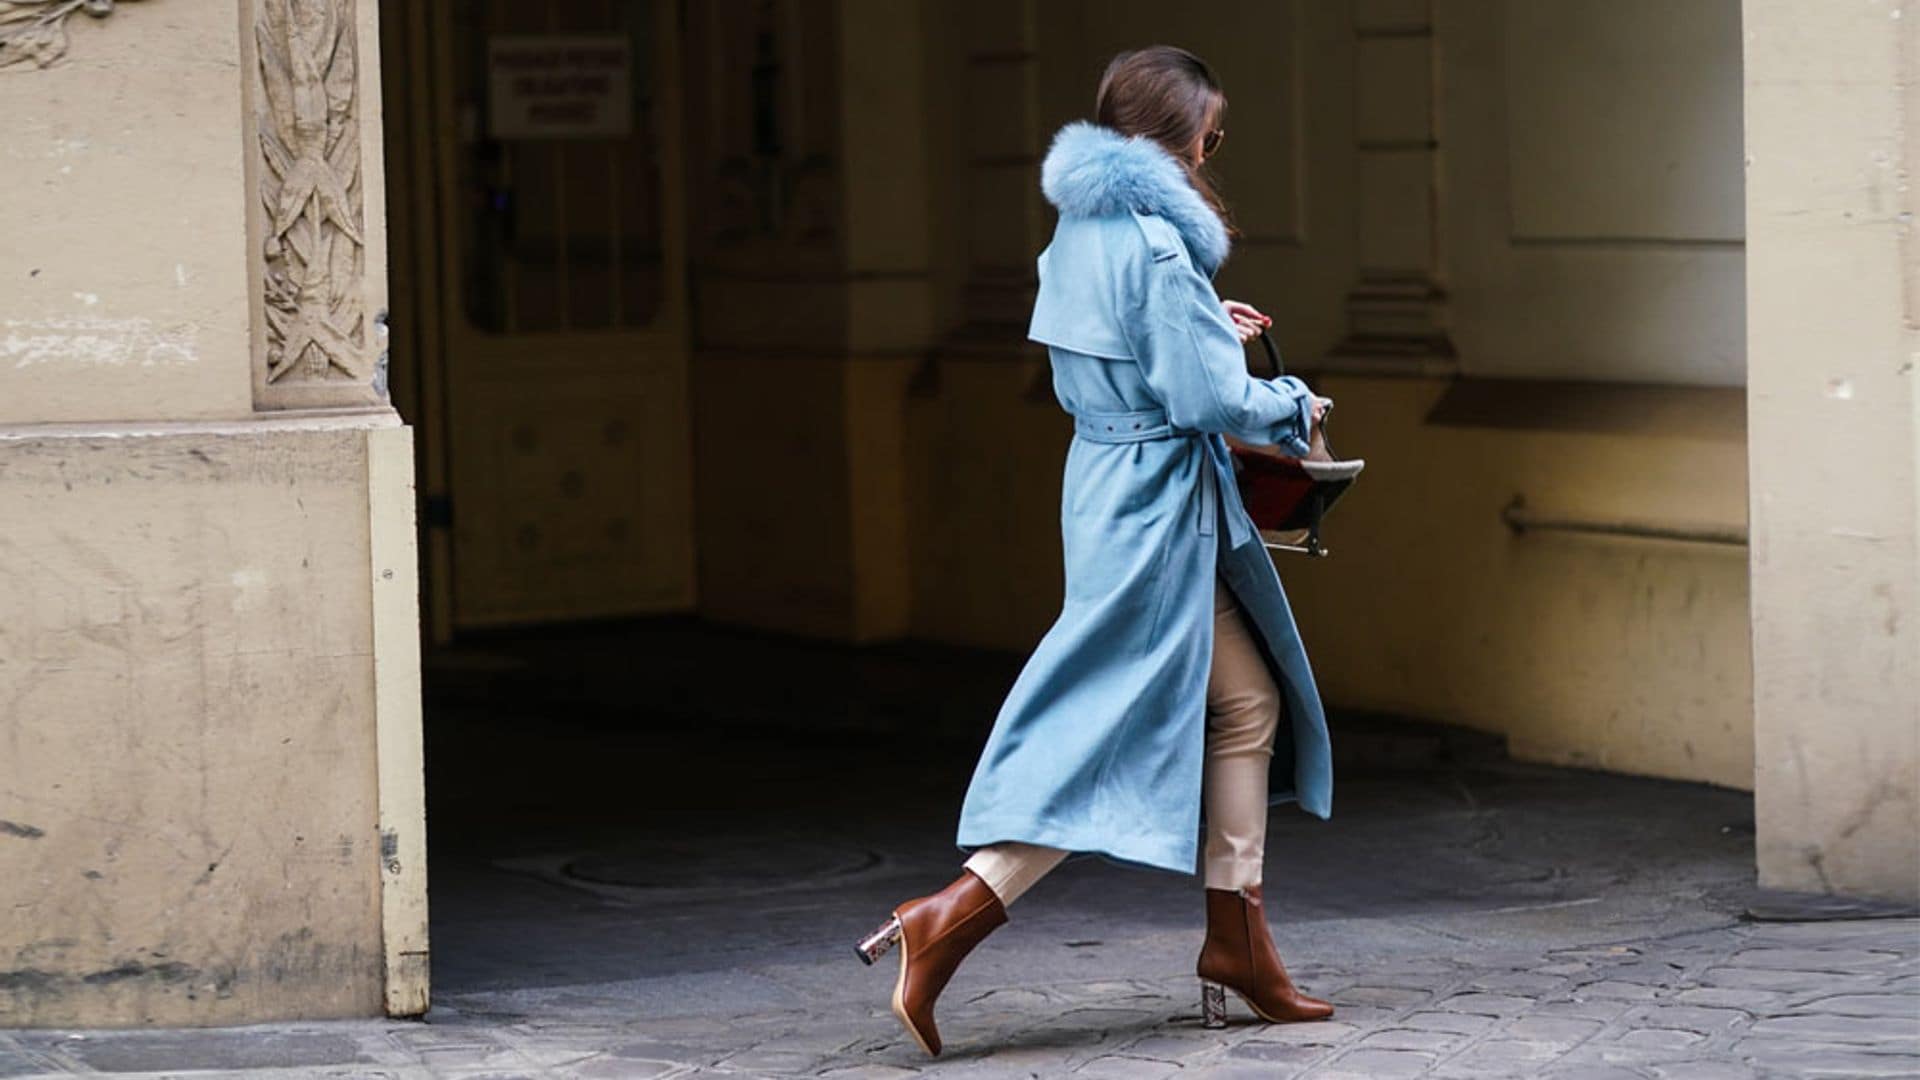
[(1094, 171)]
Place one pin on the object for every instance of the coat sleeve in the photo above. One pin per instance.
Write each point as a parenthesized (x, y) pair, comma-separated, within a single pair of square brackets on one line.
[(1194, 363)]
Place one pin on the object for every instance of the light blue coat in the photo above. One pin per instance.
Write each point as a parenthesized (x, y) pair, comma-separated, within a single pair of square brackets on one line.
[(1098, 747)]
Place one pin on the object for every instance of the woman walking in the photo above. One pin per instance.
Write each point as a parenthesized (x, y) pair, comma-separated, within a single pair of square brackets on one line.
[(1161, 688)]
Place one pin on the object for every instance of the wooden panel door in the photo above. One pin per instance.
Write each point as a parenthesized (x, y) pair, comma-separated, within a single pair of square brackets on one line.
[(562, 301)]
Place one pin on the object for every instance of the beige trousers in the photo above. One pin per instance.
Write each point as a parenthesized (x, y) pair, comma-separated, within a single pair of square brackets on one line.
[(1243, 711)]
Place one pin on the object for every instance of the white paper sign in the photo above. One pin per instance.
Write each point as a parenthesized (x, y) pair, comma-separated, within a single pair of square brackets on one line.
[(550, 86)]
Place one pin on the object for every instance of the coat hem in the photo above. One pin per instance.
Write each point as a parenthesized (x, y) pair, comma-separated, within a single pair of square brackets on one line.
[(1179, 860)]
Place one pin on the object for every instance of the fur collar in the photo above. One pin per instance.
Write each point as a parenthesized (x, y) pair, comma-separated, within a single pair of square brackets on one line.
[(1094, 171)]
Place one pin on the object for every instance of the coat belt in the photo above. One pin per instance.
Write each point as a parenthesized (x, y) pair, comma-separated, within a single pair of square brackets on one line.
[(1145, 425), (1149, 425)]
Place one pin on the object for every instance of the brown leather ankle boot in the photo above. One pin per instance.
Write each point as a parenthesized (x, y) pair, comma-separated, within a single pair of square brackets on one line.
[(1239, 956), (935, 933)]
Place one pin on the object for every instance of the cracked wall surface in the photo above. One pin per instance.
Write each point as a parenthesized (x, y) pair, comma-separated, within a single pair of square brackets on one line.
[(186, 768)]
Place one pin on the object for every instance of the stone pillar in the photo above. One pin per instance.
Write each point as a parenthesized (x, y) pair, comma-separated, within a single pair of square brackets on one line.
[(1833, 152), (210, 796)]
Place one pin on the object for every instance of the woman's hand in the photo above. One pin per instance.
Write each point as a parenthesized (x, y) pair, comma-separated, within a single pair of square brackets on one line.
[(1247, 320)]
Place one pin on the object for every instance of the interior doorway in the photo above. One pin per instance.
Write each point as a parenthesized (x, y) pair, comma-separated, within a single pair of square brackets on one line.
[(539, 305)]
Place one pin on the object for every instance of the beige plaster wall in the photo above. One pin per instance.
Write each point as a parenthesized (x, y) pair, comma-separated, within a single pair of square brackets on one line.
[(123, 269), (188, 801), (210, 795), (1832, 95)]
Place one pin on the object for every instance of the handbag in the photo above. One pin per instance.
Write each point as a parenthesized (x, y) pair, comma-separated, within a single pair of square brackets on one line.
[(1288, 497)]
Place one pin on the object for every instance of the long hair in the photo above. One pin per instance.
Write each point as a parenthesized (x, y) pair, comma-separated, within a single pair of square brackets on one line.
[(1169, 95)]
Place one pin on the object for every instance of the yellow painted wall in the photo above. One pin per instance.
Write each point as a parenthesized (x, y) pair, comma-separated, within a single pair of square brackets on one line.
[(812, 314), (771, 504), (802, 492), (1381, 152), (1618, 654), (986, 444), (1621, 654)]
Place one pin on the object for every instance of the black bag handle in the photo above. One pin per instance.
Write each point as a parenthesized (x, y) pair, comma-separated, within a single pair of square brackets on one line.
[(1273, 356), (1274, 365)]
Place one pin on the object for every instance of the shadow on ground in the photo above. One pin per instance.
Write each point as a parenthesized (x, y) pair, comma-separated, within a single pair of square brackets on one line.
[(704, 820)]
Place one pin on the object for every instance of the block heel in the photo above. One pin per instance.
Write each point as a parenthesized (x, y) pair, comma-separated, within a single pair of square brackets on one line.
[(1213, 1004), (875, 945)]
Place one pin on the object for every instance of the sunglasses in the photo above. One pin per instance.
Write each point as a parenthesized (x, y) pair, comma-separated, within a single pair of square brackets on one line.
[(1212, 141)]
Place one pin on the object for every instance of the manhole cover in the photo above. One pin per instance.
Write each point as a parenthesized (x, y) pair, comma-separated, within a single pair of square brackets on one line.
[(722, 863)]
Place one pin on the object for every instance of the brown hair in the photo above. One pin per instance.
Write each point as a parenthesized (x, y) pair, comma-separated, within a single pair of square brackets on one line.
[(1169, 95)]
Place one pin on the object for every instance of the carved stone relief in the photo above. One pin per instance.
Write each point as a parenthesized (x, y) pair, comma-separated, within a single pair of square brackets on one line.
[(36, 30), (312, 239)]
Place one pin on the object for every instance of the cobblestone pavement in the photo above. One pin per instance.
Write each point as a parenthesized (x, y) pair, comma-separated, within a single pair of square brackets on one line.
[(1765, 1000), (613, 905)]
